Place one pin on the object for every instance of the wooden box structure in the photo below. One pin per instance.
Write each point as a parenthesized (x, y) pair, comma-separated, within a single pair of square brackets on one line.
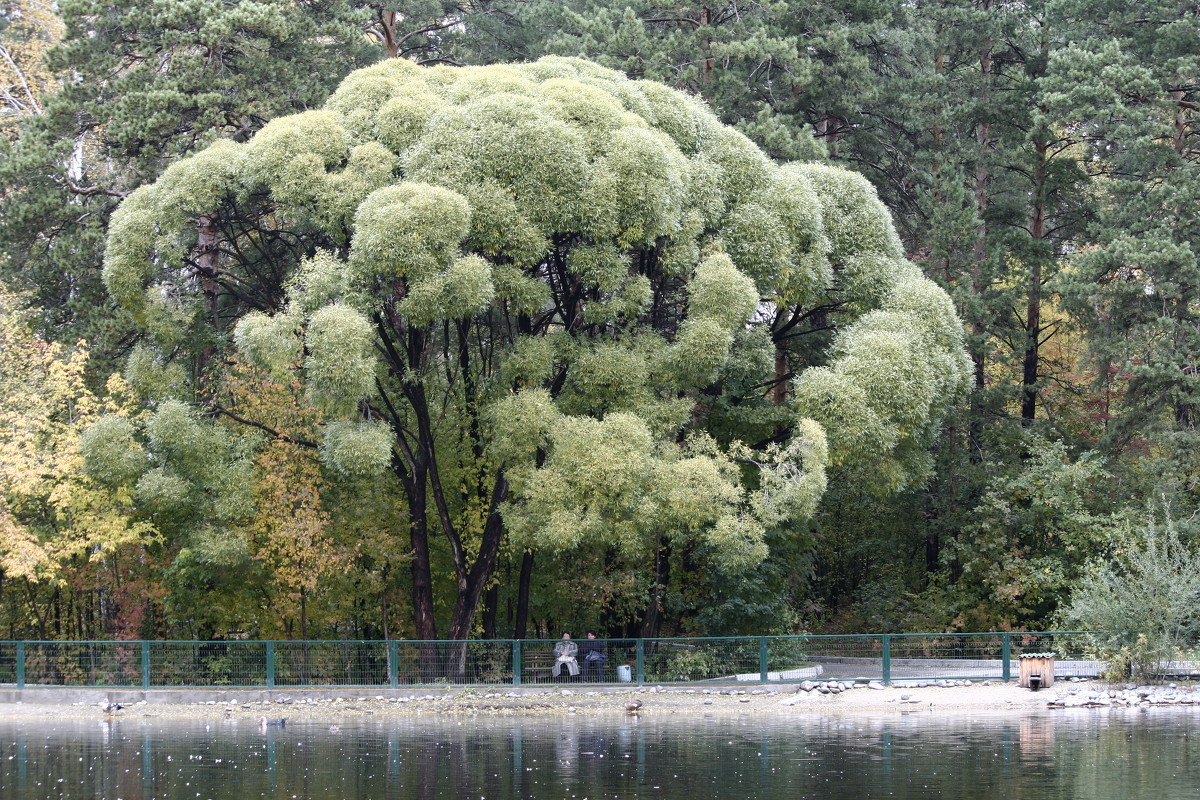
[(1041, 666)]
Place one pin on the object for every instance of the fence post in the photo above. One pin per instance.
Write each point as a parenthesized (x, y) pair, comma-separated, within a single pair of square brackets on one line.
[(1005, 655), (762, 660), (270, 665), (145, 665), (20, 665), (516, 662), (641, 661), (887, 659), (393, 663)]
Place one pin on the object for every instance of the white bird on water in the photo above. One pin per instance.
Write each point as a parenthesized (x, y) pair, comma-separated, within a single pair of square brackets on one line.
[(109, 707)]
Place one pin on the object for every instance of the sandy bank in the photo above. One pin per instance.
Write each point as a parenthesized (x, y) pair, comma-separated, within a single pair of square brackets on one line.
[(654, 700)]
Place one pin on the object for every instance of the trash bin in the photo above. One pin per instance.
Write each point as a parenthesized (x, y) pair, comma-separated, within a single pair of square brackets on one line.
[(624, 674)]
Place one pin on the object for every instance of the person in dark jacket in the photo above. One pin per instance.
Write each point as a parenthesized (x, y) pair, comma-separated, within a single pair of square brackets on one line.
[(591, 653)]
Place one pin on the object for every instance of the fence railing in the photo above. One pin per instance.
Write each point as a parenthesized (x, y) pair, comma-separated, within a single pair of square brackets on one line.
[(511, 662)]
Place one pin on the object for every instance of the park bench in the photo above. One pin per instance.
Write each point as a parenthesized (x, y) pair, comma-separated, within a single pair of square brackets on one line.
[(540, 663)]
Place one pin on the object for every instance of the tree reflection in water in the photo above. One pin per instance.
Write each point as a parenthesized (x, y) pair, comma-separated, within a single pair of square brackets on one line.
[(1106, 755)]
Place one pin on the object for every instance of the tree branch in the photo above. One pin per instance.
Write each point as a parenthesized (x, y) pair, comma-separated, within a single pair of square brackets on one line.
[(91, 190), (283, 437)]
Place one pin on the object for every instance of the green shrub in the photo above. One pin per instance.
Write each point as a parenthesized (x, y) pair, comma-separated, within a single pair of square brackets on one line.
[(1140, 605)]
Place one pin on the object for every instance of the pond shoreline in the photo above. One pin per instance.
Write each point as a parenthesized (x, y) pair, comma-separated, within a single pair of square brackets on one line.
[(565, 699)]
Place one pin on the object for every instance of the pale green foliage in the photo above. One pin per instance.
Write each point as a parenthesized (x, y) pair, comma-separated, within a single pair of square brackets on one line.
[(610, 480), (738, 542), (164, 493), (218, 547), (505, 163), (292, 155), (558, 265), (530, 362), (855, 220), (128, 261), (268, 342), (231, 480), (468, 288), (700, 350), (463, 290), (181, 469), (317, 282), (198, 183), (721, 300), (607, 376), (792, 477), (357, 449), (521, 424), (340, 366), (111, 454), (780, 236), (409, 230), (882, 398), (722, 293), (176, 433), (868, 278), (149, 376)]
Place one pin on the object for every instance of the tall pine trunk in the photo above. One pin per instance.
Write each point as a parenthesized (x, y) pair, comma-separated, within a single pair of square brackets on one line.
[(1030, 363)]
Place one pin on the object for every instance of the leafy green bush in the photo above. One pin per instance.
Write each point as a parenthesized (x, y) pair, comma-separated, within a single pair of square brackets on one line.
[(1141, 605)]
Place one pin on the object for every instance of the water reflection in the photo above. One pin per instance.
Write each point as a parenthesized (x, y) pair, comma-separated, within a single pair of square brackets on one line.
[(1116, 754)]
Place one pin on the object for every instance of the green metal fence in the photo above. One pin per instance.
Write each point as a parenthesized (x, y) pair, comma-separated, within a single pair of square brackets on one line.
[(897, 657)]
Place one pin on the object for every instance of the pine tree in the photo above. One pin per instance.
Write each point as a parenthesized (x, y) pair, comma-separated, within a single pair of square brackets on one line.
[(1127, 89), (141, 85)]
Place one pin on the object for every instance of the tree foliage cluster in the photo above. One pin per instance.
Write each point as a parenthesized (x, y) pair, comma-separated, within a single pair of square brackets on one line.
[(494, 350)]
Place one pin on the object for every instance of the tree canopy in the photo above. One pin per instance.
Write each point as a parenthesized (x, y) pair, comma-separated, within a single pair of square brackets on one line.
[(550, 301)]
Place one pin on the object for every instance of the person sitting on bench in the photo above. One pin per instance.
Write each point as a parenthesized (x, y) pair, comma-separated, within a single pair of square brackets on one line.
[(564, 655), (591, 650)]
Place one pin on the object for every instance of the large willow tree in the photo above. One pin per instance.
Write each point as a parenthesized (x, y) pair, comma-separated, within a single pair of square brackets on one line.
[(559, 305)]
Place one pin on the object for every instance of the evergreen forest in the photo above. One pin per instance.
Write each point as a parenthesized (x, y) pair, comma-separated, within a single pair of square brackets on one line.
[(420, 319)]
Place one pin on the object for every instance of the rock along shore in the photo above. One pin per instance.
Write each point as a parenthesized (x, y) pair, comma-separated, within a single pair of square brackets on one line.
[(805, 698), (1127, 696)]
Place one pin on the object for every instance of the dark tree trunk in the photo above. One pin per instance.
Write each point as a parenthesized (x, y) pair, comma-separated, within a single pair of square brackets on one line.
[(1030, 363), (471, 585), (386, 25), (979, 267), (662, 573), (491, 599), (521, 624)]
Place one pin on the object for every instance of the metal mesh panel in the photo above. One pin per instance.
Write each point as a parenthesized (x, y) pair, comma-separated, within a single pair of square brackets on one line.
[(490, 662), (208, 664), (538, 660), (330, 664), (956, 656), (416, 662), (693, 660), (845, 658), (8, 662), (473, 662), (1074, 653), (789, 658), (83, 663)]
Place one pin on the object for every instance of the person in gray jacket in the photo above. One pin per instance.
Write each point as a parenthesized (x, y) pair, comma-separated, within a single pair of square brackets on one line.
[(564, 656)]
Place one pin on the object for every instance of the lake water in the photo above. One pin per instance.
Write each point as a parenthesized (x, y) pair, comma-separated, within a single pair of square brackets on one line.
[(1085, 754)]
